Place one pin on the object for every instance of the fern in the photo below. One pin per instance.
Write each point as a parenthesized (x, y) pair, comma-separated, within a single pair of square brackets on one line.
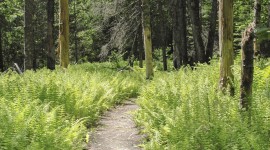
[(184, 110), (50, 110)]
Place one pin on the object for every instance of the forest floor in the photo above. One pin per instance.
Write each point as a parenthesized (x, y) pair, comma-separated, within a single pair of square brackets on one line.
[(117, 130)]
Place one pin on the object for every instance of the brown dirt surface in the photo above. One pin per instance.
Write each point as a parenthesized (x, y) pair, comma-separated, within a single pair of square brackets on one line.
[(117, 130)]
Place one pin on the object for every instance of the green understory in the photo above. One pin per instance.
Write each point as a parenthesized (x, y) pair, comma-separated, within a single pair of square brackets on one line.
[(179, 109), (185, 110), (52, 109)]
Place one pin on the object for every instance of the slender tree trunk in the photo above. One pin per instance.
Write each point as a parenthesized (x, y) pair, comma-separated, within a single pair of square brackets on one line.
[(134, 47), (75, 32), (28, 34), (35, 48), (163, 34), (247, 68), (194, 9), (226, 44), (140, 41), (257, 18), (50, 39), (212, 31), (183, 32), (1, 50), (177, 62), (164, 58), (147, 38), (2, 18), (64, 34)]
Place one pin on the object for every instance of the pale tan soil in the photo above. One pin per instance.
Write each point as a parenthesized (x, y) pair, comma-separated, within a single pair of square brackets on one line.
[(117, 131)]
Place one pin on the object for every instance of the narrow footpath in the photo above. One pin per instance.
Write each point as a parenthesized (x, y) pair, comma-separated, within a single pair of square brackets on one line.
[(117, 131)]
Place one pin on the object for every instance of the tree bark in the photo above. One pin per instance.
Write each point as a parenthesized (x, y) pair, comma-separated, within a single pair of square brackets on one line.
[(1, 49), (177, 62), (50, 39), (226, 44), (75, 33), (64, 34), (183, 32), (140, 41), (132, 52), (257, 18), (212, 31), (28, 34), (194, 9), (247, 68), (147, 38), (163, 35)]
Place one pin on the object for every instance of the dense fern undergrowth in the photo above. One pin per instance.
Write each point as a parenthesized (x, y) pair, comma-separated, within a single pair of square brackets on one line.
[(52, 109), (179, 109), (185, 110)]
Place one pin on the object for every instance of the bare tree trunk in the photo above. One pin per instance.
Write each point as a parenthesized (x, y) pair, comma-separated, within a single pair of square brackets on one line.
[(140, 41), (28, 34), (212, 31), (64, 33), (257, 18), (163, 34), (132, 52), (1, 50), (194, 9), (35, 49), (226, 44), (50, 39), (183, 32), (147, 38), (247, 68), (75, 32), (177, 62)]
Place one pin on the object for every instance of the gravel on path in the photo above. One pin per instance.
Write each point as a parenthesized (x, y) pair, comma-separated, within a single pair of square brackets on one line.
[(117, 130)]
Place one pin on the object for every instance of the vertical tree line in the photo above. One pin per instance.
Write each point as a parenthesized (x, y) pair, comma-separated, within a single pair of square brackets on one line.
[(64, 33), (1, 50), (50, 37), (226, 44), (142, 30), (147, 38), (28, 34)]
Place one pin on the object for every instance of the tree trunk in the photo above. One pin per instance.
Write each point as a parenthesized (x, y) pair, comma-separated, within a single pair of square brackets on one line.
[(177, 62), (212, 31), (64, 34), (226, 44), (140, 41), (50, 39), (257, 18), (147, 38), (183, 32), (163, 35), (28, 34), (132, 52), (194, 9), (1, 50), (75, 32), (247, 68)]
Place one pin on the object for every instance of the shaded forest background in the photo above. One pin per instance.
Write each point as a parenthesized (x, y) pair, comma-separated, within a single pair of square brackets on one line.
[(111, 30)]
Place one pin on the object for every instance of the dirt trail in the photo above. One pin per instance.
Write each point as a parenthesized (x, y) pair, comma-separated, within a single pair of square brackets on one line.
[(117, 131)]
